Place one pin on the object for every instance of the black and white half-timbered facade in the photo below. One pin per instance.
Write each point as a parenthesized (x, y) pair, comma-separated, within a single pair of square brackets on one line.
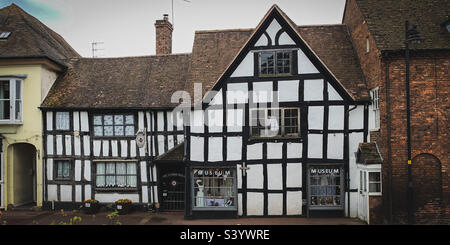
[(276, 134)]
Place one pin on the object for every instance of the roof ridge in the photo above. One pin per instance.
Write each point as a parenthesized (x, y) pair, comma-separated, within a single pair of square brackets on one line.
[(128, 57), (223, 30)]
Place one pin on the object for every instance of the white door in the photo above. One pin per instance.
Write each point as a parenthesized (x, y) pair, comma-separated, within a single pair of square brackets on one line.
[(2, 171), (363, 199)]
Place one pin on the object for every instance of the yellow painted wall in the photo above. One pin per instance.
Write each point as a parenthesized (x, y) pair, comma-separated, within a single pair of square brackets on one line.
[(35, 85)]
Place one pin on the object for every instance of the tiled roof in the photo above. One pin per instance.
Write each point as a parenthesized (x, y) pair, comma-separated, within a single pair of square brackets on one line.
[(386, 22), (368, 154), (30, 38), (175, 154)]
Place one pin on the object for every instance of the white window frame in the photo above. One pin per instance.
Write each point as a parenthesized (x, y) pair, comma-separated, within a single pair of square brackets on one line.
[(282, 128), (12, 99), (372, 193), (57, 122), (375, 97)]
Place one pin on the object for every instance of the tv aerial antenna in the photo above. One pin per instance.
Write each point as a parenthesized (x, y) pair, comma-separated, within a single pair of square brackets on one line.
[(95, 49), (173, 16)]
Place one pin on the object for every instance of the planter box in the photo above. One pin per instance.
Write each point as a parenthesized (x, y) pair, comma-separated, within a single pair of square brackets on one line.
[(91, 208), (124, 208)]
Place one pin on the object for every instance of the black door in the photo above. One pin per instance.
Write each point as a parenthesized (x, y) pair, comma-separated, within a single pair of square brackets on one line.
[(171, 188)]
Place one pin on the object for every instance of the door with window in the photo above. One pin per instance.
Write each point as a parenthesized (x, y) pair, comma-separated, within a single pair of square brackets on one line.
[(172, 186)]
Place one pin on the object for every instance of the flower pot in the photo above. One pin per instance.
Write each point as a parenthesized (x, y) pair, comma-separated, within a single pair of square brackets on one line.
[(124, 208), (91, 208)]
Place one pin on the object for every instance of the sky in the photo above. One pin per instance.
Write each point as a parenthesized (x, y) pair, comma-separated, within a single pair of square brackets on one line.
[(126, 27)]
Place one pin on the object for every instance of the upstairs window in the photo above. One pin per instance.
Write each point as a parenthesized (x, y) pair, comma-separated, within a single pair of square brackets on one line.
[(268, 122), (11, 101), (275, 63), (117, 125), (62, 120), (376, 107)]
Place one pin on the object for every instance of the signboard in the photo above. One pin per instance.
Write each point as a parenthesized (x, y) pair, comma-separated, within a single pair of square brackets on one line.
[(140, 139)]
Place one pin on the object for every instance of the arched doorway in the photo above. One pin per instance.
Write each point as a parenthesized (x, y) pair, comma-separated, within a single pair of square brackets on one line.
[(427, 180), (22, 174)]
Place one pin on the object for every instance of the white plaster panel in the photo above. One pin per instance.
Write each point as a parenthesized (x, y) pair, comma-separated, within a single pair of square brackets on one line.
[(155, 176), (97, 145), (148, 118), (245, 68), (288, 91), (254, 151), (76, 121), (160, 117), (294, 150), (234, 148), (332, 93), (49, 169), (78, 193), (335, 147), (155, 190), (315, 145), (304, 64), (59, 144), (336, 117), (123, 148), (66, 193), (197, 121), (170, 142), (180, 138), (84, 121), (50, 144), (112, 197), (285, 39), (105, 148), (275, 204), (87, 170), (161, 144), (52, 192), (255, 176), (215, 149), (294, 203), (240, 209), (315, 117), (169, 121), (274, 150), (144, 194), (235, 120), (239, 176), (262, 92), (274, 177), (294, 175), (86, 144), (87, 191), (77, 145), (143, 171), (197, 144), (262, 41), (237, 93), (255, 203), (356, 118), (217, 99), (49, 120), (215, 121), (77, 170), (114, 148), (272, 30), (133, 148), (313, 90), (141, 120)]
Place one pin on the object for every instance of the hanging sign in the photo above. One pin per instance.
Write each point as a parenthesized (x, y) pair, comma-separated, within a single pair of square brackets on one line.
[(140, 139)]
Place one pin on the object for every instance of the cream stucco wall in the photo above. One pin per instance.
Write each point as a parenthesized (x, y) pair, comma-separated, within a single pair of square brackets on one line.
[(36, 86)]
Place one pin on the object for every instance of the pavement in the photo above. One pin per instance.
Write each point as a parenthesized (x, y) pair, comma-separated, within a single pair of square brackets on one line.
[(25, 217)]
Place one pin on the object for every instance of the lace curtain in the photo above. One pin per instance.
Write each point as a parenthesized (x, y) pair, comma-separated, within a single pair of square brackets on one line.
[(116, 175), (62, 120)]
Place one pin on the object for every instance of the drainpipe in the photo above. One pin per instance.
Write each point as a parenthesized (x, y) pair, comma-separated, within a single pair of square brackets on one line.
[(348, 170), (388, 139)]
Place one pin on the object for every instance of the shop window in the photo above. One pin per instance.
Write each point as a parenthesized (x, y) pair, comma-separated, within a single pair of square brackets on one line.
[(63, 170), (116, 175), (118, 125), (268, 122), (62, 120), (325, 187), (214, 188), (374, 182), (11, 101)]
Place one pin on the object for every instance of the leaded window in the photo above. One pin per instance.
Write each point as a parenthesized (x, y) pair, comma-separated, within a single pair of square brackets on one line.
[(63, 170), (214, 188), (116, 175), (270, 122), (113, 125), (275, 63)]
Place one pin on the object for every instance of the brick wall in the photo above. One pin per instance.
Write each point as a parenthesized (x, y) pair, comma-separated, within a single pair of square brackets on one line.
[(163, 36)]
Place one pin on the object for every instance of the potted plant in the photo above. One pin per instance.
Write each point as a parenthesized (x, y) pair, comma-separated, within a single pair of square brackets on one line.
[(123, 206), (91, 206)]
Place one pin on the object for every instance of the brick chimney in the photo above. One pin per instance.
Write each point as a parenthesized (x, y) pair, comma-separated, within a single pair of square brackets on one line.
[(163, 36)]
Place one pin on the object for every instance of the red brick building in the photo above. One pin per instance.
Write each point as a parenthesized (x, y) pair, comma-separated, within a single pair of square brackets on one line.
[(377, 29)]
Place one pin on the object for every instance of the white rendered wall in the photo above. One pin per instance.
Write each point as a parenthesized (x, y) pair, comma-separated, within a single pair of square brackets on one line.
[(245, 68), (255, 203), (313, 90), (288, 91)]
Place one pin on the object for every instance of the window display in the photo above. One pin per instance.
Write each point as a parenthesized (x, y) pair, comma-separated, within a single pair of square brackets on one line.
[(325, 183), (214, 187)]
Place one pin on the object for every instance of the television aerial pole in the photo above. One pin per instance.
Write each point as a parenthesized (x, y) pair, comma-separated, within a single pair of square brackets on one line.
[(173, 19)]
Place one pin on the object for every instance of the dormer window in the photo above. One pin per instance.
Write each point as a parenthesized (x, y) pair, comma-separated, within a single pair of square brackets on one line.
[(11, 101), (275, 63), (5, 35)]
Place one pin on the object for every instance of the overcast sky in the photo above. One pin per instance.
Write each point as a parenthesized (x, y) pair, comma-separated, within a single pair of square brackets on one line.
[(127, 26)]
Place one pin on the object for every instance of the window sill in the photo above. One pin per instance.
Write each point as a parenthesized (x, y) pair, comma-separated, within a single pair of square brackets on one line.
[(18, 123), (375, 130), (115, 189), (276, 75), (256, 138)]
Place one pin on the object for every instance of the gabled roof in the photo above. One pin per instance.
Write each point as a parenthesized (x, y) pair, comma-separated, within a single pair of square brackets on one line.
[(130, 82), (30, 38), (386, 22), (368, 154), (175, 154)]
